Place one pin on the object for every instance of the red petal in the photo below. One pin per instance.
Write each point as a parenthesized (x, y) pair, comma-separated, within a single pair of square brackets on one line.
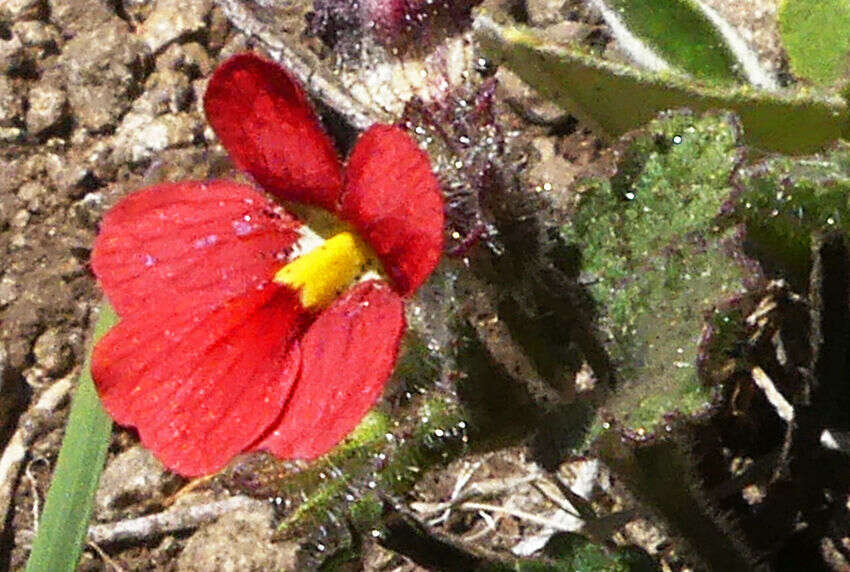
[(267, 125), (189, 245), (200, 389), (348, 354), (394, 200)]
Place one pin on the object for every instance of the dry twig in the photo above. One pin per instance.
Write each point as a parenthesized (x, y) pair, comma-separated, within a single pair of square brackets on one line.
[(176, 519), (488, 488), (29, 428), (303, 65)]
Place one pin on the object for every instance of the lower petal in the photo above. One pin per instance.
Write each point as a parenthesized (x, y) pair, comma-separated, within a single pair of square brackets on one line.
[(201, 388), (348, 354)]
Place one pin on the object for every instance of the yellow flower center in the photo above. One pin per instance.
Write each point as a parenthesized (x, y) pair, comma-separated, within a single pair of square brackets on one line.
[(325, 272)]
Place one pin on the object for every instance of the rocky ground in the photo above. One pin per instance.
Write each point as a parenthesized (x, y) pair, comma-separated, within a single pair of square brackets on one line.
[(98, 98)]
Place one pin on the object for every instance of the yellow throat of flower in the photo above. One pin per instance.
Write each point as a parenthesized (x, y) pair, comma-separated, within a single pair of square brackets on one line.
[(322, 274)]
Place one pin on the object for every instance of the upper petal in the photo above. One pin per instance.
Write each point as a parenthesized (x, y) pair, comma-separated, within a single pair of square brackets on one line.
[(393, 198), (348, 354), (262, 117), (201, 388), (189, 245)]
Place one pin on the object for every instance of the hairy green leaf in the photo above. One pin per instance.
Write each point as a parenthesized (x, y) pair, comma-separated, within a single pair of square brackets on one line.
[(616, 98), (67, 510), (657, 263)]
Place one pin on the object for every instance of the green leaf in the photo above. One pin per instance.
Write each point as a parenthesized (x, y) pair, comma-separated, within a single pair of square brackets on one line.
[(815, 36), (784, 201), (658, 263), (681, 34), (67, 510), (616, 99)]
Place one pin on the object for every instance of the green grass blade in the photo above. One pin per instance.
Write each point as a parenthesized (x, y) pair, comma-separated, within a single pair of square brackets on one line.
[(615, 99), (68, 508), (815, 36)]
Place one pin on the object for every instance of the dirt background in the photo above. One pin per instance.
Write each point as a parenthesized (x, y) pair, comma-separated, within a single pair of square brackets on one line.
[(98, 98)]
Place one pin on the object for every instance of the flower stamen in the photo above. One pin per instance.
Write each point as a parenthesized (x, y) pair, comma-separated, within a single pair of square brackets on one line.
[(326, 271)]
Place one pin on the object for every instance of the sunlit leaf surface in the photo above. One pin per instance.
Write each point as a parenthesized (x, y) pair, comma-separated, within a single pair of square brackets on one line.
[(816, 39)]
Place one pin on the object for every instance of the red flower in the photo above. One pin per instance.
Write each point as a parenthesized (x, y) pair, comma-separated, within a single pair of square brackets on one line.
[(231, 342)]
